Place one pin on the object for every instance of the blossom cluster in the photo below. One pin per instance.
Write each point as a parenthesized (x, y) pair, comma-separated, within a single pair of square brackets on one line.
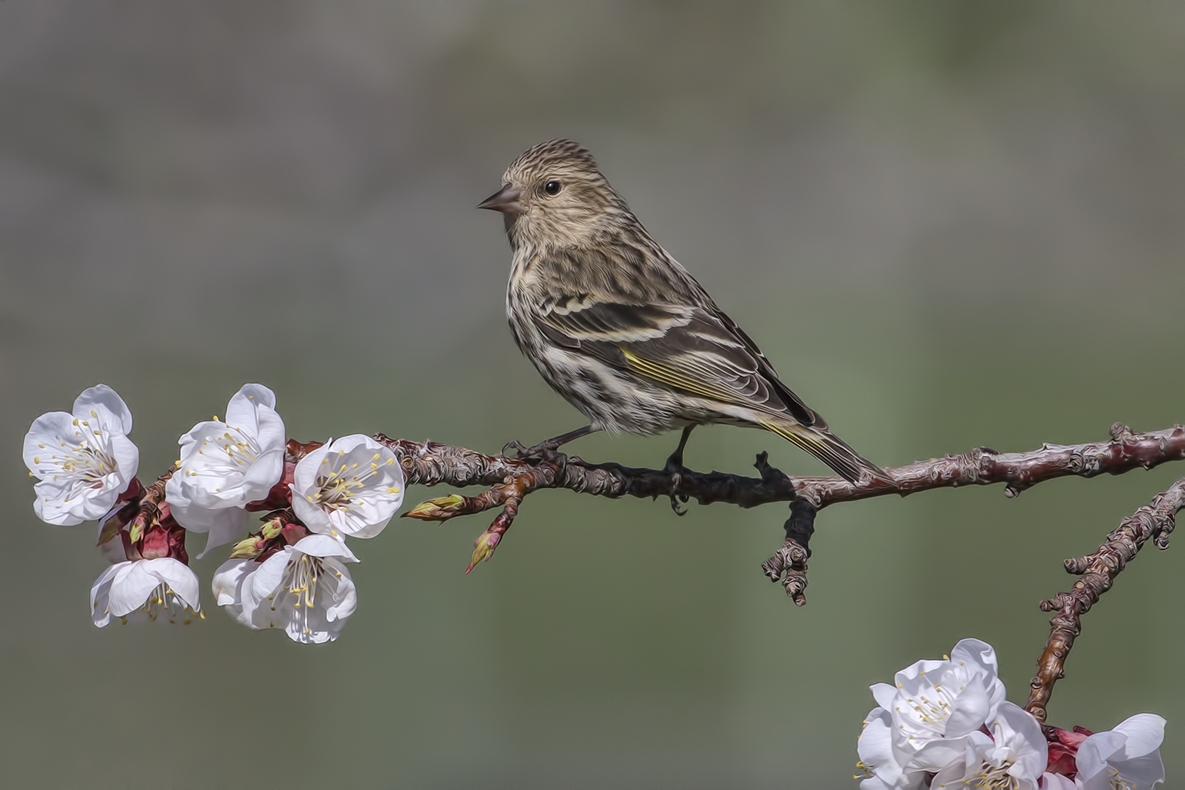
[(292, 574), (946, 724)]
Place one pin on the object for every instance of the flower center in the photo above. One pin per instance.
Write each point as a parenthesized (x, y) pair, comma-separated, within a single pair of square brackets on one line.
[(240, 448), (931, 710), (1119, 783), (301, 578), (85, 460), (337, 489), (991, 778)]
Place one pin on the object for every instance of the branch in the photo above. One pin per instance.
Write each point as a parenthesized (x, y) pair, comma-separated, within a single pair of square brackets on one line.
[(1154, 521), (510, 480)]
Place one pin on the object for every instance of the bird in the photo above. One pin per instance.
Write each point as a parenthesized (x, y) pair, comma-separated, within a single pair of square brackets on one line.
[(622, 331)]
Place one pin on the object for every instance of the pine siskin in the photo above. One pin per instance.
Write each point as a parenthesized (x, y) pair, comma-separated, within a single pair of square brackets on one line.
[(621, 330)]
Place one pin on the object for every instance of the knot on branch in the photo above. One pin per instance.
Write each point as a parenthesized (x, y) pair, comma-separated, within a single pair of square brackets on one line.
[(1119, 432), (788, 564)]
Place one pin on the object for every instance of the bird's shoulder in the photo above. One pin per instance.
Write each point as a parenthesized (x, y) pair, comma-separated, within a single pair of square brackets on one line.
[(618, 269)]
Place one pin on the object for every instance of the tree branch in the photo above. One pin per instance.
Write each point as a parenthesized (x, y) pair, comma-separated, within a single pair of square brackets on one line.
[(1154, 521), (510, 480)]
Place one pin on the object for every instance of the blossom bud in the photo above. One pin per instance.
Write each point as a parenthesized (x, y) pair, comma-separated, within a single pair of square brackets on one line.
[(439, 509), (484, 548)]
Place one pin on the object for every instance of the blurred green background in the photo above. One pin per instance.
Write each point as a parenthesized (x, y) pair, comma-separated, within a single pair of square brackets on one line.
[(948, 223)]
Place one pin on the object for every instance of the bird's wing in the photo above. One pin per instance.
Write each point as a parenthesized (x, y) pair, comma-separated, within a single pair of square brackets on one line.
[(693, 348)]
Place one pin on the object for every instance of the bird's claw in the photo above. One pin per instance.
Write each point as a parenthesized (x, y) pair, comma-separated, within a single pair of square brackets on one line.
[(522, 453), (674, 467)]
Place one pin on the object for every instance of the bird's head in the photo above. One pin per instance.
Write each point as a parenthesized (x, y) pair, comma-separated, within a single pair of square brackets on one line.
[(554, 195)]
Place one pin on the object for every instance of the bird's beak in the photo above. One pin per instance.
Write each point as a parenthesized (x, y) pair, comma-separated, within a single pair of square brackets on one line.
[(504, 200)]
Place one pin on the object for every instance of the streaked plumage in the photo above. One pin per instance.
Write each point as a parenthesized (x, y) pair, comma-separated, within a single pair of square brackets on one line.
[(620, 329)]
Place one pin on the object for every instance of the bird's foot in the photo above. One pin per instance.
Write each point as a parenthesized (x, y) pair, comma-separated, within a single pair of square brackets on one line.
[(521, 453), (545, 452), (674, 467)]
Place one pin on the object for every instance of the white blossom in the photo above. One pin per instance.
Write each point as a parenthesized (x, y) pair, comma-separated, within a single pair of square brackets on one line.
[(1013, 757), (225, 465), (304, 589), (350, 486), (84, 460), (145, 590), (942, 699), (1127, 757), (929, 701)]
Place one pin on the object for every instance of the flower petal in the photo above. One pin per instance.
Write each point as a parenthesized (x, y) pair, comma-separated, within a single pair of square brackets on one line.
[(875, 747), (100, 593), (325, 546), (1057, 782), (109, 408), (1145, 734), (177, 578), (228, 588), (344, 594), (1096, 750), (971, 709), (243, 405), (1019, 739)]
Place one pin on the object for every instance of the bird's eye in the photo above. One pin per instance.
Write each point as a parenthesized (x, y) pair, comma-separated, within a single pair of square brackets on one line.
[(553, 187)]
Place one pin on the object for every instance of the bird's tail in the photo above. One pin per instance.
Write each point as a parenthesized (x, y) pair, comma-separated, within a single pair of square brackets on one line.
[(830, 449)]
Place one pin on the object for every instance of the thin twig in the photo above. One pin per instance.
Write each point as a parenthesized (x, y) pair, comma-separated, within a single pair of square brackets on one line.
[(1153, 521)]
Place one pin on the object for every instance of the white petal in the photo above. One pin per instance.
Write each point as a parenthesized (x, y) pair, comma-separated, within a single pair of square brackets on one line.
[(100, 593), (309, 514), (176, 576), (240, 411), (304, 490), (978, 654), (263, 473), (51, 505), (1018, 738), (875, 747), (343, 593), (266, 580), (110, 409), (271, 436), (970, 710), (43, 438), (224, 526), (1057, 782), (127, 459), (228, 588), (884, 694), (916, 670), (1095, 751), (1141, 773), (325, 546), (1145, 734), (66, 503), (130, 588), (941, 754)]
